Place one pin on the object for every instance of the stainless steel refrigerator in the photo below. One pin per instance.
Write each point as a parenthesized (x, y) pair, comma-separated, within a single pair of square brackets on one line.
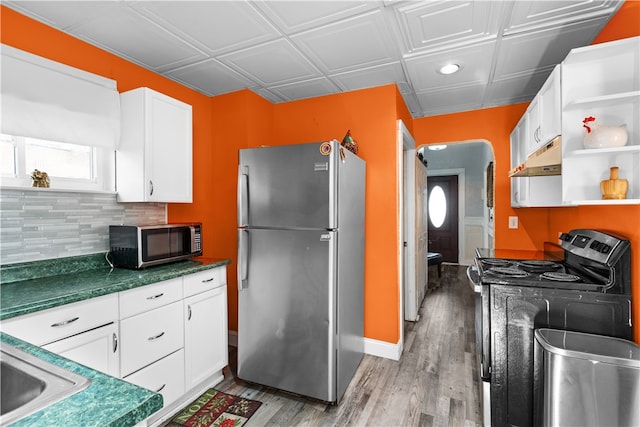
[(301, 268)]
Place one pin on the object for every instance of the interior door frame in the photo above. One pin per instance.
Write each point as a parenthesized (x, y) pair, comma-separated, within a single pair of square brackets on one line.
[(461, 206), (406, 146)]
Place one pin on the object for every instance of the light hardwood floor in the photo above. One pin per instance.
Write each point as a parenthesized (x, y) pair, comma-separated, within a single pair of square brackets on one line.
[(433, 384)]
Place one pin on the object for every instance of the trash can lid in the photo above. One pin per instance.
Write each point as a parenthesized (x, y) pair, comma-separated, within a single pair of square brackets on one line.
[(597, 348)]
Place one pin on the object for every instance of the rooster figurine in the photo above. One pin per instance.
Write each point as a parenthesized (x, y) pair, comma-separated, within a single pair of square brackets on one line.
[(600, 136), (349, 143)]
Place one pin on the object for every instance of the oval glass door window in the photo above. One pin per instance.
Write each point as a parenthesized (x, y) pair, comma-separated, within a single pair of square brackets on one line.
[(437, 206)]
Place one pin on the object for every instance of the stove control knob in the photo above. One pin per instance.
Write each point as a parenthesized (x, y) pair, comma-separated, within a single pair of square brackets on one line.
[(595, 245), (605, 249), (566, 237)]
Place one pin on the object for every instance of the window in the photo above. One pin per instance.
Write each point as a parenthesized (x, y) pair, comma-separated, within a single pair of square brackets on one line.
[(437, 206), (69, 166)]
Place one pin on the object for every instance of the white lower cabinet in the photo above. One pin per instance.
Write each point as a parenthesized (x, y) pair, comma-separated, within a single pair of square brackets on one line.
[(150, 336), (98, 349), (169, 337), (164, 376), (205, 335)]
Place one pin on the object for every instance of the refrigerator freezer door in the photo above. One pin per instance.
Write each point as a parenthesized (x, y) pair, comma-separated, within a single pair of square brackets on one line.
[(285, 311), (290, 186)]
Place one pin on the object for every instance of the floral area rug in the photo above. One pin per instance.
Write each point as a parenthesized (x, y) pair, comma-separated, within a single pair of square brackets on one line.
[(215, 408)]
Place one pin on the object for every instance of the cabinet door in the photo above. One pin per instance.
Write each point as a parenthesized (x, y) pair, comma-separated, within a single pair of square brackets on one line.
[(151, 336), (205, 280), (533, 126), (550, 108), (98, 349), (154, 158), (164, 376), (47, 326), (205, 335), (168, 145)]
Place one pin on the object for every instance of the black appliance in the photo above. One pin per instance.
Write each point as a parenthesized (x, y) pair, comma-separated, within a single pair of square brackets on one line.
[(587, 288), (141, 246)]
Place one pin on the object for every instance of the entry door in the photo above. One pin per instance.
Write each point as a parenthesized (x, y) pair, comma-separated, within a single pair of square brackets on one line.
[(442, 199)]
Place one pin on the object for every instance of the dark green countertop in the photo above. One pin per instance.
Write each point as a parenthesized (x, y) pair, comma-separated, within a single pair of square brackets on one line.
[(25, 288), (34, 286), (107, 402)]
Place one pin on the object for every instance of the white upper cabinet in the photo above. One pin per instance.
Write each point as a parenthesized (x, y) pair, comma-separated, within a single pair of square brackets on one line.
[(544, 114), (601, 81), (154, 158)]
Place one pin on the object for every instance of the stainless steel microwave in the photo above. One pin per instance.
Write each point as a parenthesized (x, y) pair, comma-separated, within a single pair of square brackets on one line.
[(136, 247)]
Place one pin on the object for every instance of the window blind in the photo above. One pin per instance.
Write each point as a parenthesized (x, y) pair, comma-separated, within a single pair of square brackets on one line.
[(48, 100)]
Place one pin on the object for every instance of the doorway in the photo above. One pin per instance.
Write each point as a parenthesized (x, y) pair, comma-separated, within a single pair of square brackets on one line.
[(442, 213)]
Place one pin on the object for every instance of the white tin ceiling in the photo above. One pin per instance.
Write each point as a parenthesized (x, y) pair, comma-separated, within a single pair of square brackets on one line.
[(289, 50)]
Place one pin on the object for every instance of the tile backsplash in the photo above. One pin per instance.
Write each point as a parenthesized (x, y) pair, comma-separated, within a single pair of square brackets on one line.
[(40, 224)]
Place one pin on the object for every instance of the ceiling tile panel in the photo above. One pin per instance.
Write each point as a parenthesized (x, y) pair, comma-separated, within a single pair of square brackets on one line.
[(210, 77), (458, 99), (516, 89), (271, 63), (63, 14), (429, 26), (306, 89), (154, 48), (219, 26), (530, 15), (475, 62), (296, 16), (289, 49), (354, 43), (370, 77), (544, 48)]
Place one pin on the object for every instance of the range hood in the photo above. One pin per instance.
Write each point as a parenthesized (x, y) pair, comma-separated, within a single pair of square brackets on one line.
[(545, 161)]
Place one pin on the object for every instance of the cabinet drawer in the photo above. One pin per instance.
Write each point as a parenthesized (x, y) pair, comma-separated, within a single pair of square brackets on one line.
[(145, 298), (54, 324), (150, 336), (204, 280), (166, 376)]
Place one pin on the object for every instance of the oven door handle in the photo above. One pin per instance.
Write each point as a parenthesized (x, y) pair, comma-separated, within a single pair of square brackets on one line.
[(474, 277)]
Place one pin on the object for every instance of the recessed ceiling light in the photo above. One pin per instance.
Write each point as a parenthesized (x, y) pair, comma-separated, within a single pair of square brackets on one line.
[(437, 147), (449, 69)]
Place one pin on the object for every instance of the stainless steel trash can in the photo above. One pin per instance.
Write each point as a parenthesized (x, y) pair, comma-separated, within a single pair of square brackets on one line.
[(585, 380)]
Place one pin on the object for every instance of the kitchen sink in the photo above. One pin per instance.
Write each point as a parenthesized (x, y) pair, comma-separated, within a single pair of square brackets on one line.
[(30, 384)]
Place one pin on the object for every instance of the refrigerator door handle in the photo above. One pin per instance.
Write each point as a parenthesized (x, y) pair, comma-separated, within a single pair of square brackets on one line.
[(243, 195), (243, 255)]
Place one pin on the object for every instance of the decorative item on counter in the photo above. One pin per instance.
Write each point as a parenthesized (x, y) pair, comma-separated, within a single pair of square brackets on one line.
[(600, 136), (614, 187), (40, 179), (349, 143)]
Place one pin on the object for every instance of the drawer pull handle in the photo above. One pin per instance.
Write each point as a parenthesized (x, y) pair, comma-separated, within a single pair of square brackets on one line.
[(189, 309), (207, 280), (155, 296), (161, 388), (156, 337), (66, 322), (115, 342)]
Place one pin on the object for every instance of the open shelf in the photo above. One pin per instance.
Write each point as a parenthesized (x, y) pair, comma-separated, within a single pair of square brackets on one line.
[(603, 101), (601, 151)]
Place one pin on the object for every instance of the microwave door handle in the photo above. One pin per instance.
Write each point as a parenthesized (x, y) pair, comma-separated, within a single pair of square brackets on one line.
[(243, 255), (243, 195)]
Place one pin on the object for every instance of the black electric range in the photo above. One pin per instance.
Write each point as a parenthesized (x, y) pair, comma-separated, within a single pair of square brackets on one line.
[(587, 288)]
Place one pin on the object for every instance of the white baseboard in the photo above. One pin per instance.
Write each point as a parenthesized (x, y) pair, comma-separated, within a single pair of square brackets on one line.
[(371, 347), (382, 349)]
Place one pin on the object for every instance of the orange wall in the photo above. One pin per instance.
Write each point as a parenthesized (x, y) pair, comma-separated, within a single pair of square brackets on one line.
[(541, 224), (243, 119)]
